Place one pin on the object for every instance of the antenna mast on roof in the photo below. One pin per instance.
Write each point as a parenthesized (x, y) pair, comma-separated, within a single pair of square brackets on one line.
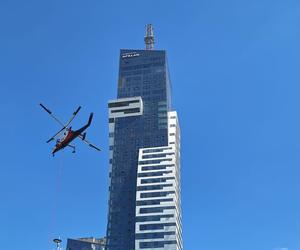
[(149, 38)]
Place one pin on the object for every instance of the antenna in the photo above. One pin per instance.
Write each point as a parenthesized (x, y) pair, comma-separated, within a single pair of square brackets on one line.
[(149, 38), (57, 242)]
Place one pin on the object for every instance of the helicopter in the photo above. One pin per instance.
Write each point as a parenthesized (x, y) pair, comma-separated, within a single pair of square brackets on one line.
[(68, 134)]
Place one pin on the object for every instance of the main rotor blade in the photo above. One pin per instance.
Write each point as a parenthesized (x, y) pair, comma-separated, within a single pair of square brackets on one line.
[(91, 145), (53, 137), (73, 116), (88, 143), (50, 113)]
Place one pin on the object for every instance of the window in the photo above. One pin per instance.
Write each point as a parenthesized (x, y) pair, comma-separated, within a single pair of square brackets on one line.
[(156, 226), (161, 173), (156, 180), (153, 202), (155, 150), (149, 210), (156, 194), (158, 167), (153, 217), (153, 187), (153, 161), (156, 155), (156, 244), (161, 235), (126, 111)]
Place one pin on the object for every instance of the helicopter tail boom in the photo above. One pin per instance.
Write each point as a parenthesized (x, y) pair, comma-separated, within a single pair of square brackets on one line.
[(90, 120)]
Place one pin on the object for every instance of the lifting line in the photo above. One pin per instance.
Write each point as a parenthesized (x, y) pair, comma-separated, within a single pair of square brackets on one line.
[(54, 223)]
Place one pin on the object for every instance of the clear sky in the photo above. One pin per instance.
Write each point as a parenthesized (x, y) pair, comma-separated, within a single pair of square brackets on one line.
[(234, 68)]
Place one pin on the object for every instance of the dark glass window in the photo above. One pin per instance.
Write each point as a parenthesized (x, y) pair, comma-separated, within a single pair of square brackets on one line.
[(158, 167), (156, 244), (153, 202), (156, 194), (153, 235), (153, 187), (153, 217), (149, 210), (156, 226), (156, 180), (127, 111)]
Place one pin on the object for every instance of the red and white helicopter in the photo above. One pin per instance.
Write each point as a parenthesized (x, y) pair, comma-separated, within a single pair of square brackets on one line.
[(68, 134)]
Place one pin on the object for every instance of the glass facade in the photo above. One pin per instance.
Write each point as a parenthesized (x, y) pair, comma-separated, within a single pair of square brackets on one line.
[(137, 119)]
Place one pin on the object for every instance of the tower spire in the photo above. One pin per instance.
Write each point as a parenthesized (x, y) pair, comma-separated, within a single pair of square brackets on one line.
[(149, 38)]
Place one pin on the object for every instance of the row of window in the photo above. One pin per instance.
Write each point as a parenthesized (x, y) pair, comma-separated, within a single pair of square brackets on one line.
[(161, 173), (162, 122), (156, 180), (160, 235), (156, 244), (143, 66), (157, 167), (135, 72), (149, 210), (156, 194), (122, 103), (153, 202), (126, 111), (153, 161), (156, 155), (154, 150), (153, 187), (134, 79), (156, 226), (153, 217)]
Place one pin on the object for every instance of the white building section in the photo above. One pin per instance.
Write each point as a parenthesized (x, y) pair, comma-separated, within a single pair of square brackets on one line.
[(119, 108), (158, 208), (125, 107)]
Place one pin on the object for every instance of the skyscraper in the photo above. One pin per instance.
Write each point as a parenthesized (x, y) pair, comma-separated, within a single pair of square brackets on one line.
[(144, 142)]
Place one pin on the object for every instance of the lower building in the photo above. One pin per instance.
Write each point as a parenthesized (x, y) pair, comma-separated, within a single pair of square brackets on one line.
[(86, 244)]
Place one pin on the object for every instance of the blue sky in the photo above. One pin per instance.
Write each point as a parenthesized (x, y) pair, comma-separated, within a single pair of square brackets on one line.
[(234, 67)]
